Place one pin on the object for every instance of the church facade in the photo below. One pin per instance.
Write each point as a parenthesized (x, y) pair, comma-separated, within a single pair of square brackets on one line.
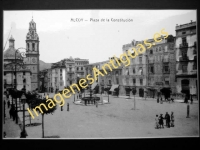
[(27, 69)]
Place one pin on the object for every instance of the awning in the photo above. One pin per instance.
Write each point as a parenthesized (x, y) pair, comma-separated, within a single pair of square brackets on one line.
[(93, 85), (113, 87)]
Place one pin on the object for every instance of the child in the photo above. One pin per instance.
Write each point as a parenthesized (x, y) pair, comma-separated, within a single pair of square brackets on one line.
[(172, 119), (157, 122)]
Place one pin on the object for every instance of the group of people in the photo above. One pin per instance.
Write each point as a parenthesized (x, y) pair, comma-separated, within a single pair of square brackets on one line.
[(166, 100), (160, 120)]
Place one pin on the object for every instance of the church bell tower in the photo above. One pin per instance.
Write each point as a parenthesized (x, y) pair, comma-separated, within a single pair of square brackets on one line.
[(32, 54)]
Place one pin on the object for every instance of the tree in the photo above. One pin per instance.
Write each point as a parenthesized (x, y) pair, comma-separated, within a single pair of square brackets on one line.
[(35, 101)]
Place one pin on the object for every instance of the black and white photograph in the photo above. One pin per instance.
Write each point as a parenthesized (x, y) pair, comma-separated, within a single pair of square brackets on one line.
[(100, 74)]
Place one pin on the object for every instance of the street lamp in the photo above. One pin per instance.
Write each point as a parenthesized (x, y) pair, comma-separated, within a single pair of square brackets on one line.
[(23, 133), (23, 54)]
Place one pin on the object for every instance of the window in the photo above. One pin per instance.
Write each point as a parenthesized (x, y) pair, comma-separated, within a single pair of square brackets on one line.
[(61, 78), (24, 72), (60, 70), (117, 81), (156, 49), (184, 41), (151, 51), (77, 68), (166, 82), (166, 68), (127, 81), (183, 32), (134, 81), (141, 81), (28, 46), (24, 81), (184, 68), (109, 81), (141, 70), (127, 71), (33, 46), (151, 69), (5, 81), (116, 73), (81, 68), (134, 70), (4, 73), (140, 60), (195, 51), (159, 48), (184, 54)]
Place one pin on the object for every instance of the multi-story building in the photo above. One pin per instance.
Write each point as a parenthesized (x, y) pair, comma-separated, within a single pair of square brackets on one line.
[(186, 58), (23, 73), (134, 75), (63, 74), (161, 66)]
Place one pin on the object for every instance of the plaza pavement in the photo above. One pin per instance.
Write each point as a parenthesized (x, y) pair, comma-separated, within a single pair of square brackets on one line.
[(114, 120), (117, 120)]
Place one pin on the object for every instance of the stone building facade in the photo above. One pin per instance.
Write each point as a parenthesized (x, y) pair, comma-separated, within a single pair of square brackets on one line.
[(135, 75), (161, 66), (63, 74), (23, 74), (32, 54), (186, 58)]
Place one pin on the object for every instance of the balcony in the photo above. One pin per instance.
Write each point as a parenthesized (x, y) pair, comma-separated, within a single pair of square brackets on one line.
[(183, 45)]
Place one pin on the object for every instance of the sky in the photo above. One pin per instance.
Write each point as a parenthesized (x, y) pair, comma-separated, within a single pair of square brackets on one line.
[(60, 37)]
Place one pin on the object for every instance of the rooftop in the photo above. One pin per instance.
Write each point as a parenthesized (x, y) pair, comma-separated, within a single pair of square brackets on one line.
[(187, 25)]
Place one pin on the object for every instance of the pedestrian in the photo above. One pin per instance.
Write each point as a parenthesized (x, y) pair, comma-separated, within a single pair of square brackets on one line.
[(13, 113), (96, 103), (8, 103), (157, 100), (172, 99), (161, 100), (161, 121), (157, 122), (172, 119), (4, 134), (191, 100), (10, 112), (4, 103), (67, 106), (61, 106), (167, 118)]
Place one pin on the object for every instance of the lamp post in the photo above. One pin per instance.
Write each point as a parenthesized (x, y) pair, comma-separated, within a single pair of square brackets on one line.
[(23, 133), (23, 54)]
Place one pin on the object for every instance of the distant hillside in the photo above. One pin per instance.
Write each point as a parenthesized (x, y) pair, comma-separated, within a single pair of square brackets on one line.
[(44, 65)]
